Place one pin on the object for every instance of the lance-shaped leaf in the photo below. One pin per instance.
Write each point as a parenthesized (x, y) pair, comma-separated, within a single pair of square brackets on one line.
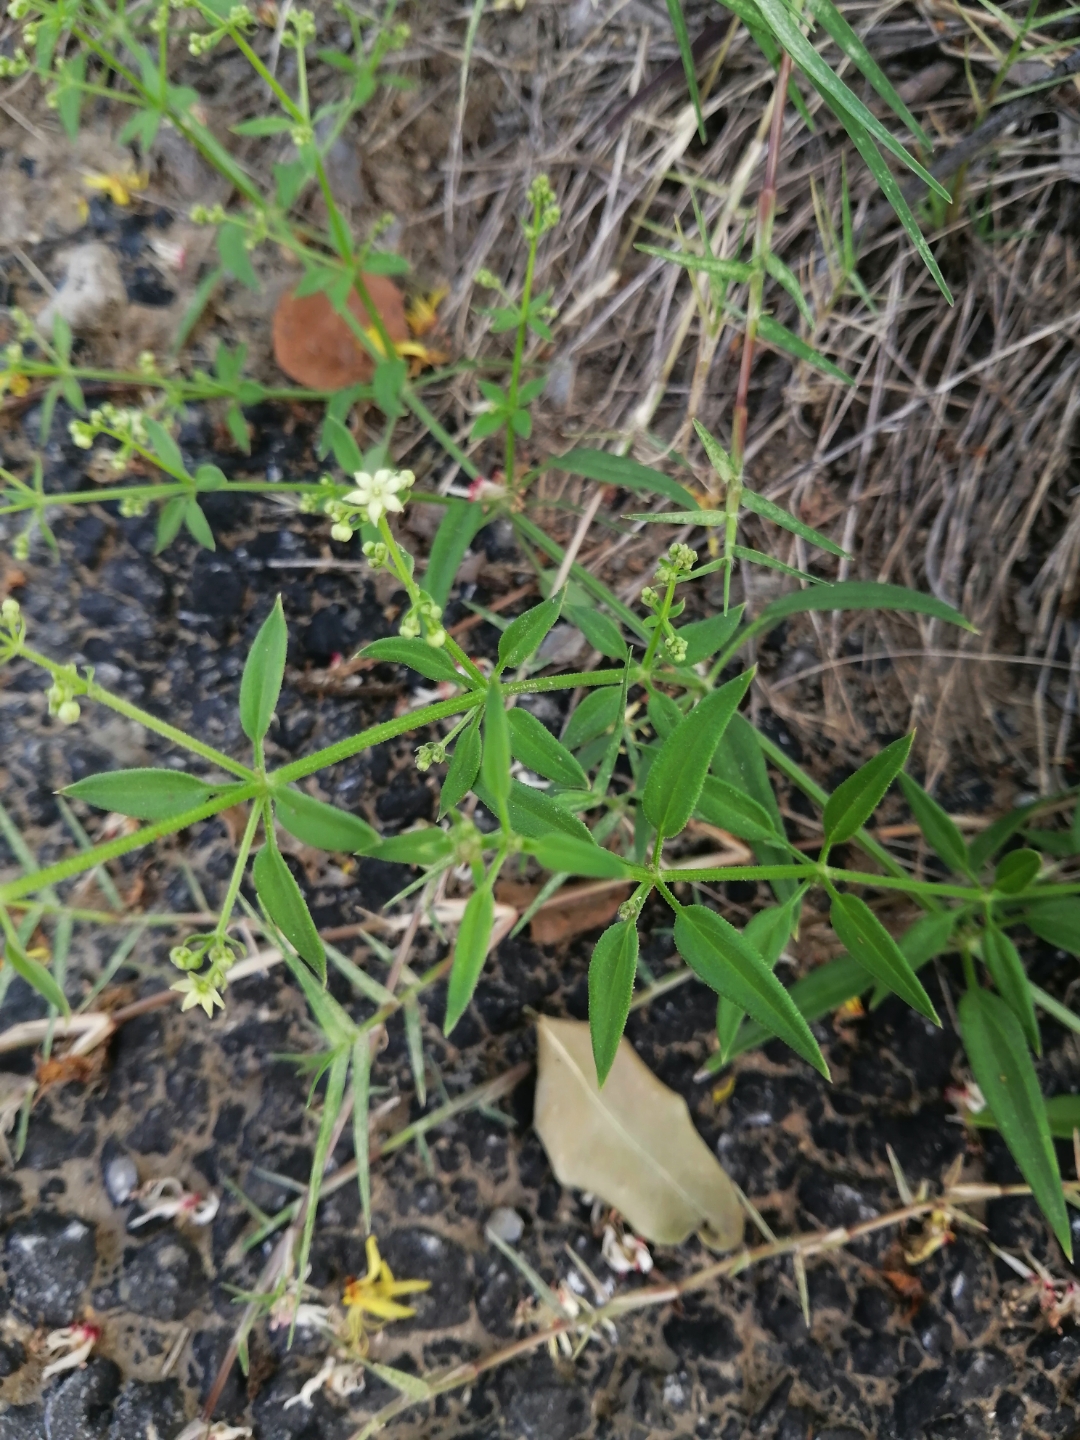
[(597, 712), (599, 630), (1016, 871), (852, 803), (620, 470), (287, 907), (263, 673), (464, 768), (739, 761), (426, 846), (938, 828), (1056, 921), (868, 942), (705, 637), (815, 995), (767, 932), (495, 760), (567, 855), (632, 1143), (1003, 961), (1004, 1072), (611, 988), (730, 965), (534, 814), (533, 744), (145, 794), (736, 812), (324, 826), (522, 636), (678, 772), (418, 655), (470, 950), (456, 531)]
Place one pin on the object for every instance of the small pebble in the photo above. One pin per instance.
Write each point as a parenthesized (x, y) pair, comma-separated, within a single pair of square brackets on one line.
[(121, 1179), (506, 1224)]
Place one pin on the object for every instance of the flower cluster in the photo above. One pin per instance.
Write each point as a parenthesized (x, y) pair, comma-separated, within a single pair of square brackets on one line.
[(546, 212), (239, 18), (204, 988), (125, 423), (424, 617), (12, 628), (12, 66), (433, 753), (208, 215), (61, 696), (380, 494), (676, 565), (300, 30)]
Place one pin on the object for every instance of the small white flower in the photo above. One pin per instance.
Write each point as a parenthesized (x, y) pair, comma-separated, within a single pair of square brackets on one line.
[(379, 494), (625, 1252)]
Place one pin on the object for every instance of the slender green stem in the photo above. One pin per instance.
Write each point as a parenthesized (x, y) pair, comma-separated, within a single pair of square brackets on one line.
[(658, 629), (240, 865), (96, 692), (519, 346)]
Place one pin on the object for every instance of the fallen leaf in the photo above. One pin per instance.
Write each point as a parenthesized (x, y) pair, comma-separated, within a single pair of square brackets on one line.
[(633, 1143), (577, 908), (316, 348)]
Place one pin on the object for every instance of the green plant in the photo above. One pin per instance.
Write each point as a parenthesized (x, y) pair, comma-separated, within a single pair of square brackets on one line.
[(658, 739)]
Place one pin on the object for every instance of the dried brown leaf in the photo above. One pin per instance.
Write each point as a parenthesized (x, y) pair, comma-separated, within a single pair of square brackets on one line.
[(632, 1143)]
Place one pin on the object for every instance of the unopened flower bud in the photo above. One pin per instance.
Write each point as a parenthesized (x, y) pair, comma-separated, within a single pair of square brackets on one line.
[(68, 712)]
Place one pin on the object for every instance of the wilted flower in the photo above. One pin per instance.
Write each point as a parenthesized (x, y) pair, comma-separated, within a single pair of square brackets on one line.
[(74, 1344), (167, 1199), (375, 1295)]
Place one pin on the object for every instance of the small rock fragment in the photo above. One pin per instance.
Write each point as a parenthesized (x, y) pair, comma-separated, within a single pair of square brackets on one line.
[(506, 1224), (92, 295), (120, 1177)]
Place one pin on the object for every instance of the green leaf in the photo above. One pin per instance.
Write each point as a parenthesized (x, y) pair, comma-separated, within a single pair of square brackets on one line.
[(145, 794), (289, 178), (768, 511), (470, 951), (989, 841), (209, 478), (938, 828), (732, 271), (418, 655), (169, 521), (596, 713), (893, 193), (621, 471), (773, 333), (1062, 1116), (601, 632), (389, 377), (235, 256), (198, 525), (521, 638), (1055, 921), (1016, 871), (343, 444), (783, 276), (733, 810), (868, 942), (611, 988), (682, 39), (816, 995), (705, 637), (495, 760), (678, 772), (769, 562), (165, 447), (32, 971), (664, 714), (534, 814), (719, 458), (855, 595), (835, 25), (926, 937), (456, 531), (324, 826), (263, 125), (1002, 959), (72, 392), (739, 761), (426, 846), (534, 745), (264, 670), (767, 932), (567, 855), (464, 767), (1004, 1072), (852, 803), (730, 965), (287, 907), (361, 1088)]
